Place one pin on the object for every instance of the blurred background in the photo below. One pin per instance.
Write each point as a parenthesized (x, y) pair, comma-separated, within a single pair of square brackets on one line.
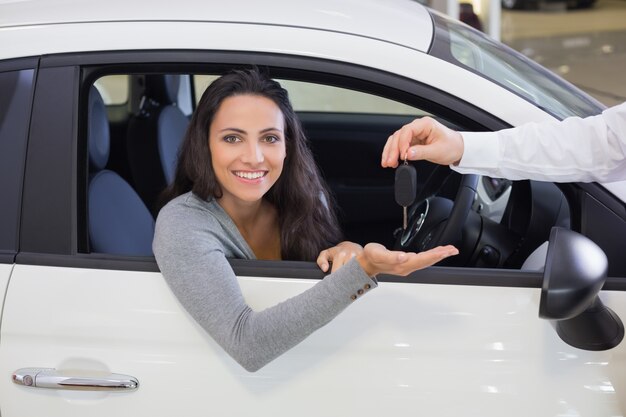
[(584, 41)]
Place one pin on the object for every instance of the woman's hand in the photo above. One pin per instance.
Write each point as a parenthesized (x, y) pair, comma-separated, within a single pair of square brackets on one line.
[(423, 138), (338, 255), (376, 259)]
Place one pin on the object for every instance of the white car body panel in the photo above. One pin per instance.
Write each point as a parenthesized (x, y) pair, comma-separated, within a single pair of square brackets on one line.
[(439, 351), (411, 20), (5, 274)]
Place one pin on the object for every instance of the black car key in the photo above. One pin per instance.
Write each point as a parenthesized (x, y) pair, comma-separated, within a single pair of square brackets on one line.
[(405, 188)]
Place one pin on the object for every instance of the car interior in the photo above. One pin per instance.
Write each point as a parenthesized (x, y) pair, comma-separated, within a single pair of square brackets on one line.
[(133, 142)]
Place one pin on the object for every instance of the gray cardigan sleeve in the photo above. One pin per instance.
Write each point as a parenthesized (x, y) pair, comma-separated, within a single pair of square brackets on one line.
[(190, 253)]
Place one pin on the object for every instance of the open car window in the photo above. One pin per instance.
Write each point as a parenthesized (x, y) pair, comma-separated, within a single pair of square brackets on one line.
[(143, 118)]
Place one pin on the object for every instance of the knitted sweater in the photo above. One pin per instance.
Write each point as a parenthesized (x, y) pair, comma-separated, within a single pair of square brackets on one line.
[(192, 241)]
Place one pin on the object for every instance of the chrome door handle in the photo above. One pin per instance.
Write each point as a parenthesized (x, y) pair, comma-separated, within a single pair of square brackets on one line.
[(51, 378)]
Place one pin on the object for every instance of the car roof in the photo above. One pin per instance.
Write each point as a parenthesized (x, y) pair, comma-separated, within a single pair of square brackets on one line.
[(403, 22)]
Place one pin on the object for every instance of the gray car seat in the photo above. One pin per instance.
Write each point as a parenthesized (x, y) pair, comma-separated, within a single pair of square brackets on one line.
[(119, 222)]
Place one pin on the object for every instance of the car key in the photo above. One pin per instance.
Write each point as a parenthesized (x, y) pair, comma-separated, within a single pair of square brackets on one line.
[(405, 188)]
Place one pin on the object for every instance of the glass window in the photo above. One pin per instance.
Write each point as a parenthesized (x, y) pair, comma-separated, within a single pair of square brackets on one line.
[(324, 98), (311, 97), (465, 46), (113, 88)]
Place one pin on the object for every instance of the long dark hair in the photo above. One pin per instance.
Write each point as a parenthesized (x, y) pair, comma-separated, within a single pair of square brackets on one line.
[(308, 223)]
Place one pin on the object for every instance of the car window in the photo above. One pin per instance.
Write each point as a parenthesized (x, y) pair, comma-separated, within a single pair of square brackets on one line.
[(113, 88), (314, 97), (304, 96), (140, 162), (346, 128)]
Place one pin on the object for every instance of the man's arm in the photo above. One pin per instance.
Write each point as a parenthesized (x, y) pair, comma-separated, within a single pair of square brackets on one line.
[(576, 149)]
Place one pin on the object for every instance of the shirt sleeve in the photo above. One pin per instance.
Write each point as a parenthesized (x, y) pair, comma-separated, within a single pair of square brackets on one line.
[(193, 264), (575, 149)]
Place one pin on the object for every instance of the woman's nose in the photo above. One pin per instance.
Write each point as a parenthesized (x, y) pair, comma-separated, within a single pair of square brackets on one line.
[(253, 154)]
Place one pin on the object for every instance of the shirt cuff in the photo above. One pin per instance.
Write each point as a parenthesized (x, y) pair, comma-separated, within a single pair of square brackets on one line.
[(480, 150), (363, 282)]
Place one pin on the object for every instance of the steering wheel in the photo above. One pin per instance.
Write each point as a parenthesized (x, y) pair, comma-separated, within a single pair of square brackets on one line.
[(434, 221)]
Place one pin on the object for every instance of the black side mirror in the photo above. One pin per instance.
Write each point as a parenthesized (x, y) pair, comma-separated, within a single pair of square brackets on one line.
[(575, 272)]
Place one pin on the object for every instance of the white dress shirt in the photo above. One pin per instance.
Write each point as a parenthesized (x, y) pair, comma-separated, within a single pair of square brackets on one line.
[(574, 150)]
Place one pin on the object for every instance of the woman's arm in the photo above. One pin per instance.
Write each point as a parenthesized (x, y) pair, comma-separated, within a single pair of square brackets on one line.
[(192, 261)]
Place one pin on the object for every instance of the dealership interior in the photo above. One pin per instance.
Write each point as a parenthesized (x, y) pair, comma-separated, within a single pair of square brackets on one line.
[(585, 43)]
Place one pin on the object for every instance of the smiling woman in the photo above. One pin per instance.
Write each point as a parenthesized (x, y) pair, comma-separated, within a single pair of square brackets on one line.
[(224, 138), (247, 163), (247, 187)]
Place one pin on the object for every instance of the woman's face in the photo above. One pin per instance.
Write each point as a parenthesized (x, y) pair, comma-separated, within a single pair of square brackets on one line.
[(247, 143)]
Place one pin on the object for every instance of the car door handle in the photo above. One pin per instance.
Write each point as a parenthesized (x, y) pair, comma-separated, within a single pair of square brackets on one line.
[(51, 378)]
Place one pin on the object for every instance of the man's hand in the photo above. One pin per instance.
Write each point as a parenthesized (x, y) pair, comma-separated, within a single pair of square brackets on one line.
[(425, 139)]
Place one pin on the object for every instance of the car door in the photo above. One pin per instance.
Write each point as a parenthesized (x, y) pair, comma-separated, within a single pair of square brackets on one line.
[(444, 341)]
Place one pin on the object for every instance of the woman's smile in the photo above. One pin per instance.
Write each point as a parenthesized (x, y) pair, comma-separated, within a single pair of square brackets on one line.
[(253, 177)]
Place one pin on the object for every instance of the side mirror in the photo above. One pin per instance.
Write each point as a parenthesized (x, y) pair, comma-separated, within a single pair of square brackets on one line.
[(575, 272)]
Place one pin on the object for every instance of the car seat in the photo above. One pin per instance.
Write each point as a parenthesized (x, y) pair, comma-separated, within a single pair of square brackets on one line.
[(119, 222), (154, 136)]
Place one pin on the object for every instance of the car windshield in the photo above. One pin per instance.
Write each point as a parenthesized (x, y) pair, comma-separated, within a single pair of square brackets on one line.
[(464, 46)]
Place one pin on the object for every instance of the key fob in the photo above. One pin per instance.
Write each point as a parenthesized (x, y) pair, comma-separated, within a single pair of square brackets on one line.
[(405, 185)]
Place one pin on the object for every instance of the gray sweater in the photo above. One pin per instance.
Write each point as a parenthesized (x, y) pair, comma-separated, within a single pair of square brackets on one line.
[(192, 240)]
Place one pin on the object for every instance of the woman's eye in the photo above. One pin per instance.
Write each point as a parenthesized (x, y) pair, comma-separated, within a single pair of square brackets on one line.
[(271, 139), (231, 139)]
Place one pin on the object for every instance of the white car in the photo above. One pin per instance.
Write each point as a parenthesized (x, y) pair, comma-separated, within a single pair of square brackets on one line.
[(89, 326)]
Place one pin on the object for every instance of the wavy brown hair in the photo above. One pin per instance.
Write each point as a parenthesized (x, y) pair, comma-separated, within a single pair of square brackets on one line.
[(307, 219)]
